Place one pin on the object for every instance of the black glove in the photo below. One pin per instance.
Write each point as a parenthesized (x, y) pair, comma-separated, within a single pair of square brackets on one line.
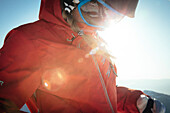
[(150, 105)]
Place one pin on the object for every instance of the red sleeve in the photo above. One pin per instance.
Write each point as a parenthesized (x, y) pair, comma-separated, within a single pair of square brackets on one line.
[(19, 68), (126, 100)]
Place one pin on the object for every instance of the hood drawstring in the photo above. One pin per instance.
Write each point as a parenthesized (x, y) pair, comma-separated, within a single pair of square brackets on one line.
[(111, 65), (71, 40), (80, 33)]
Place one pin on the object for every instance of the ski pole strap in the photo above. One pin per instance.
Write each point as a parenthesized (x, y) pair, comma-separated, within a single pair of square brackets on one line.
[(149, 106)]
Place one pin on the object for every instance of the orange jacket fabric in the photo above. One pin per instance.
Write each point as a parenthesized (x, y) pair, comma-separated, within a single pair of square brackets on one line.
[(38, 61)]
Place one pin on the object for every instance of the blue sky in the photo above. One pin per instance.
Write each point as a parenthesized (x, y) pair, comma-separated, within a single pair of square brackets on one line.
[(149, 53), (153, 28)]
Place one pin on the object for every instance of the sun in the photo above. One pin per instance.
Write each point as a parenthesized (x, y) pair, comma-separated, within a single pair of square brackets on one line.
[(120, 39)]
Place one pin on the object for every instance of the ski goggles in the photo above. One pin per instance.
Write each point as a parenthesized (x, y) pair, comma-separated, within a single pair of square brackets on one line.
[(93, 13)]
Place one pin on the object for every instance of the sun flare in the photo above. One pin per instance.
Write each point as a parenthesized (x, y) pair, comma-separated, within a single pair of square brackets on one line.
[(120, 39)]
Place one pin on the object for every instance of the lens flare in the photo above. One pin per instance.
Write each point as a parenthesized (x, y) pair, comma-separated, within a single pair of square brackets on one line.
[(53, 79), (121, 41), (118, 37), (46, 84)]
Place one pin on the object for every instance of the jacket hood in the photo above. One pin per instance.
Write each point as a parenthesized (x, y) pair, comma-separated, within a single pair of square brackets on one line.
[(50, 11)]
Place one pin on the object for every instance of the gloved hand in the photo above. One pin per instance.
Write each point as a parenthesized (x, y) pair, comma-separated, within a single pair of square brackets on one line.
[(149, 105)]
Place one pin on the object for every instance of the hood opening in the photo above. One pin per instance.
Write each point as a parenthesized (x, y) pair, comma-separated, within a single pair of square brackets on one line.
[(50, 11)]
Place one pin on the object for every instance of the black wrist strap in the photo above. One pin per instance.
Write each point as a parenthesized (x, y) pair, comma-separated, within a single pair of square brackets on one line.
[(149, 106)]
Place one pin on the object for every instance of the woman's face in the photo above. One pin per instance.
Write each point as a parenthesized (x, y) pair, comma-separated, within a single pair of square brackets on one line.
[(93, 13), (97, 14)]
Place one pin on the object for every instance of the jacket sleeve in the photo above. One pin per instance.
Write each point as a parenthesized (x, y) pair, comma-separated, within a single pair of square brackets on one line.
[(127, 100), (19, 69)]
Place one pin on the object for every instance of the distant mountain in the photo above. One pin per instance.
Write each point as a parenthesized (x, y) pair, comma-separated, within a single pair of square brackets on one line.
[(165, 99), (157, 85)]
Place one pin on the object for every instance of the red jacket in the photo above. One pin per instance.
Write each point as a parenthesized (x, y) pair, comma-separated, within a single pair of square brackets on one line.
[(38, 65)]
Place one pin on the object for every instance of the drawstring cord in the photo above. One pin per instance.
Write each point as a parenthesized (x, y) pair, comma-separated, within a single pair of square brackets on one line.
[(71, 40), (113, 69), (80, 33)]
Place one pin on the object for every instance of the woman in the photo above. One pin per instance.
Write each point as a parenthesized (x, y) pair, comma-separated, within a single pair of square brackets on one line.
[(59, 63)]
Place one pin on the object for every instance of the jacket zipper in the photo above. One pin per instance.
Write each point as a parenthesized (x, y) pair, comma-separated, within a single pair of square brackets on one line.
[(103, 84)]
